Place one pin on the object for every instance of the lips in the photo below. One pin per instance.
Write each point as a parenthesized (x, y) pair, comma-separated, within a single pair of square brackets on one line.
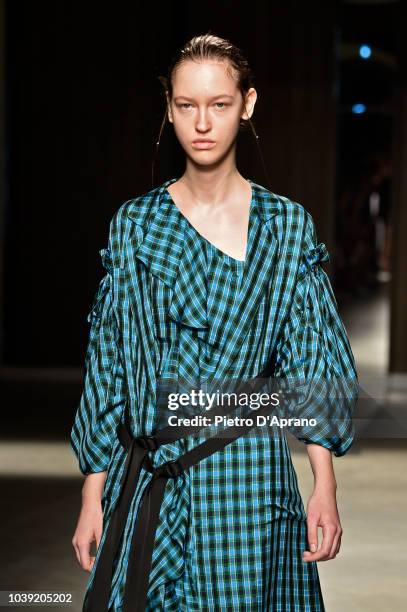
[(203, 144)]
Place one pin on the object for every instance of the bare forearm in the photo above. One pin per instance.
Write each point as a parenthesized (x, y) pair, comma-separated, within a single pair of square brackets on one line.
[(90, 522), (322, 466), (93, 486), (322, 510)]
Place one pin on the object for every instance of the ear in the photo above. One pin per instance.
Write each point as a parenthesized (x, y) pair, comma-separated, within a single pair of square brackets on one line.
[(169, 111), (248, 104)]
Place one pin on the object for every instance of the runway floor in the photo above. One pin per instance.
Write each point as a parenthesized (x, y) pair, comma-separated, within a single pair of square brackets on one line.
[(41, 494)]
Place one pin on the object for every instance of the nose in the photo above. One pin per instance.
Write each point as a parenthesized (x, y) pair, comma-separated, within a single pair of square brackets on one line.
[(203, 123)]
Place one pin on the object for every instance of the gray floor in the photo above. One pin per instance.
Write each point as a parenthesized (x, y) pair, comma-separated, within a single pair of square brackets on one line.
[(41, 496)]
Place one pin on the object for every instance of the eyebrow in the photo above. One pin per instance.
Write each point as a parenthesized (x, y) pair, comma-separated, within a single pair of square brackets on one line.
[(212, 98)]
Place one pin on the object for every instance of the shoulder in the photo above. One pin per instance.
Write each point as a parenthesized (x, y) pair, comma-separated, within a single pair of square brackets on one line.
[(137, 207), (131, 212), (299, 234), (295, 213), (293, 219)]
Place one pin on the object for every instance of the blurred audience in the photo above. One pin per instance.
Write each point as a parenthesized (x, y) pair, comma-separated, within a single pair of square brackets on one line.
[(363, 228)]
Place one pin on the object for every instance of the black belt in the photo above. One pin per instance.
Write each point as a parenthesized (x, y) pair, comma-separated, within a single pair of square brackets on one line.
[(142, 544)]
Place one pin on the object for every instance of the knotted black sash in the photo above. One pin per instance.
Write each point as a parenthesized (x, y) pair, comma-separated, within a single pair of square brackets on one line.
[(142, 544)]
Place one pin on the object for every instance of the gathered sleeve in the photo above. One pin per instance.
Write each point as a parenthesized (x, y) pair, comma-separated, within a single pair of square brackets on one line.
[(315, 366), (104, 385)]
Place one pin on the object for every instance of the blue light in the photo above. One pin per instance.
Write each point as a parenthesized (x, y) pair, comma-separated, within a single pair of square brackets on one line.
[(358, 109), (365, 51)]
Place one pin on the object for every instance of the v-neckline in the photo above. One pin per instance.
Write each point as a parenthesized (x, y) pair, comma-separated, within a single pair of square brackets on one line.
[(240, 263)]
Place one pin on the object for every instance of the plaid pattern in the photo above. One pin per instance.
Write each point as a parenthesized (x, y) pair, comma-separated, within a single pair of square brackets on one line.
[(172, 306)]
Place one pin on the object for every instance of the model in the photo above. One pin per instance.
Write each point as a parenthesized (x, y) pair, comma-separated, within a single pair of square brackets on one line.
[(207, 275)]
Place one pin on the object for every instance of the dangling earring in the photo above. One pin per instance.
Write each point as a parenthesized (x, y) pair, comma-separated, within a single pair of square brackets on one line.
[(156, 147), (253, 130), (251, 124), (260, 153)]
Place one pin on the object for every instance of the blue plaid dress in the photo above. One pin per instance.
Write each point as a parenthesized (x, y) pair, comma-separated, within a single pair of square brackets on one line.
[(171, 305)]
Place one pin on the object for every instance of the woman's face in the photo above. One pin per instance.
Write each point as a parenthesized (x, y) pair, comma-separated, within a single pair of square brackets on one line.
[(207, 104)]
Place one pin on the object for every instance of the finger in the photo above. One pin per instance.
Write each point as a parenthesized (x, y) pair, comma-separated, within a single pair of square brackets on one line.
[(338, 548), (332, 552), (84, 553), (312, 528), (328, 532), (76, 552)]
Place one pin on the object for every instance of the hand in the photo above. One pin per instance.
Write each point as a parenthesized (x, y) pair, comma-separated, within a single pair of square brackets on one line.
[(90, 523), (322, 512), (88, 530)]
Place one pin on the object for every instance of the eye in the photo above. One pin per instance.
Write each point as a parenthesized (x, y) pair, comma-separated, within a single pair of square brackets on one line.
[(182, 105), (224, 104)]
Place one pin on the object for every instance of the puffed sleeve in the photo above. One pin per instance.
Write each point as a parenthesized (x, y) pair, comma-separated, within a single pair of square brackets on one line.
[(104, 385), (314, 357)]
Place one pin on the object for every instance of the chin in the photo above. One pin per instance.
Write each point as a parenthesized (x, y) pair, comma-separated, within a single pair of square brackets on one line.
[(208, 161), (205, 157)]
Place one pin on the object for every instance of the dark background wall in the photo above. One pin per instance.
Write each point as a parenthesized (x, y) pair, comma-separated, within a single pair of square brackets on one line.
[(83, 110), (84, 106)]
